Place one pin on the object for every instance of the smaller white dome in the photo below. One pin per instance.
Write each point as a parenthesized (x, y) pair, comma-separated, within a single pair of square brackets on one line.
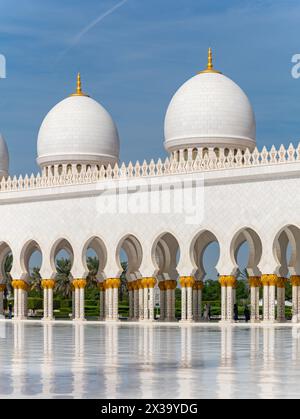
[(4, 158), (78, 130)]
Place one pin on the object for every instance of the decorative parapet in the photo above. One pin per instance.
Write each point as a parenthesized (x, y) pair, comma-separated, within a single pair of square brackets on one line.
[(203, 161)]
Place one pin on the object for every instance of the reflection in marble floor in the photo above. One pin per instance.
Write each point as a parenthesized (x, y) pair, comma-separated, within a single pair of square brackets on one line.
[(148, 361)]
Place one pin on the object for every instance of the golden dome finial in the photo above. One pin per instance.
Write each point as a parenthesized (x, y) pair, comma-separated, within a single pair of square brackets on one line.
[(210, 66), (79, 91), (210, 60)]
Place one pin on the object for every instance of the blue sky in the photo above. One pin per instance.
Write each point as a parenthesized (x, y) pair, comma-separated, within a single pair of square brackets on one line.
[(135, 59)]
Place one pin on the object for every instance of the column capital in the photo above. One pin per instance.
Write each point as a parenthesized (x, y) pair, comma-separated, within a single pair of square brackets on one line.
[(170, 284), (48, 283), (20, 284), (149, 282), (281, 281), (295, 280), (254, 281), (162, 285), (101, 286), (269, 280), (140, 284), (187, 281), (199, 285), (228, 281), (79, 283), (114, 282), (135, 285)]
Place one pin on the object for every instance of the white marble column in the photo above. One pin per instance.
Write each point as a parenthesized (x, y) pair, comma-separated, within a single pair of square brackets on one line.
[(77, 304), (269, 282), (266, 302), (16, 303), (195, 304), (48, 286), (197, 300), (101, 301), (230, 304), (141, 300), (79, 286), (228, 286), (116, 303), (81, 310), (190, 303), (21, 303), (170, 309), (73, 304), (146, 303), (187, 283), (110, 303), (281, 300), (2, 288), (200, 290), (173, 294), (254, 283), (298, 309), (45, 291), (272, 298), (136, 302), (131, 300), (106, 300), (295, 281), (183, 304), (50, 304), (223, 302), (151, 304), (162, 301)]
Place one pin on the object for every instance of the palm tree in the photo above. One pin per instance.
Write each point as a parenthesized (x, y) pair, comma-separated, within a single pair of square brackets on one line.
[(7, 276), (63, 283), (93, 266), (123, 287), (242, 275), (35, 280)]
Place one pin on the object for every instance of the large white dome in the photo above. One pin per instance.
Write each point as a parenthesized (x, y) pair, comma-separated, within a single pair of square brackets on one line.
[(210, 110), (78, 130), (4, 158)]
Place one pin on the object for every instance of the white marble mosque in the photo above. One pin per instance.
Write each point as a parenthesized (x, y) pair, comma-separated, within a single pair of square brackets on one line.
[(248, 196)]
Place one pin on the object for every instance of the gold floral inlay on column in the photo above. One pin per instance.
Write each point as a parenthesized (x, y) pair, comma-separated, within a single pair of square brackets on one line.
[(48, 283), (20, 284), (187, 281), (269, 280), (198, 286), (254, 281), (281, 281), (79, 283), (228, 281), (101, 286), (170, 284), (295, 280), (162, 285)]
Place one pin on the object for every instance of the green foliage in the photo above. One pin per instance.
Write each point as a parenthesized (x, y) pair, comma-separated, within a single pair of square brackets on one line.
[(212, 290), (7, 276), (93, 267), (35, 281), (65, 304), (63, 280), (35, 303), (123, 290), (242, 290)]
